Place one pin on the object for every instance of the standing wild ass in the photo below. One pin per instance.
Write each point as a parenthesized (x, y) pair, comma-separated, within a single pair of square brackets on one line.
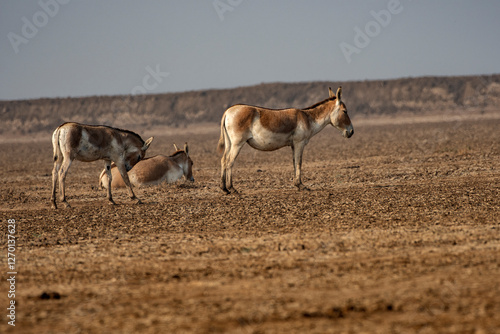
[(73, 141), (269, 129), (154, 170)]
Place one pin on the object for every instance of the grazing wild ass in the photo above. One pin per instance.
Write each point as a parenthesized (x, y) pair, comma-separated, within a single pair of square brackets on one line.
[(269, 129), (154, 170), (73, 141)]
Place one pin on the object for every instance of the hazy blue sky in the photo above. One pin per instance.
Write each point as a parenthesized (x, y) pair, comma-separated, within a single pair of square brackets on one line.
[(60, 48)]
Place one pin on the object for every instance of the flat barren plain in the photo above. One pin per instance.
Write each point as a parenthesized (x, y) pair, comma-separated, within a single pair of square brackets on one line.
[(398, 233)]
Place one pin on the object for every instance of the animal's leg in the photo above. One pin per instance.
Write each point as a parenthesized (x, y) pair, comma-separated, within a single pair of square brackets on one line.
[(298, 150), (124, 174), (63, 171), (233, 154), (107, 167), (55, 175), (223, 163)]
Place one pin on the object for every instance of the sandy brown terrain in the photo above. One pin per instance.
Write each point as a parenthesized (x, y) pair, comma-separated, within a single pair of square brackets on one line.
[(399, 233)]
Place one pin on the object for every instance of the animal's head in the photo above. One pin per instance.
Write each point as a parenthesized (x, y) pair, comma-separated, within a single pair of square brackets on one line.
[(136, 153), (339, 117), (187, 165)]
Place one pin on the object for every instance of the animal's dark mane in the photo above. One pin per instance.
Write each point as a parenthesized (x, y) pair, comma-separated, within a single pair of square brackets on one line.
[(333, 98), (126, 131), (177, 153), (311, 107)]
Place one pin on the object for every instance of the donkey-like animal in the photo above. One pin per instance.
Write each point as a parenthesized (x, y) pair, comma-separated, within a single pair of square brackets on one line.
[(269, 129), (154, 170), (73, 141)]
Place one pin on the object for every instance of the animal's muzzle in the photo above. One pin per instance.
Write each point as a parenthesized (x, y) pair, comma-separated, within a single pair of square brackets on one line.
[(349, 132)]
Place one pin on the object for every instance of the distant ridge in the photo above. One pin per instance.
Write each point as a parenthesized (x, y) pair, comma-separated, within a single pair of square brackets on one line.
[(374, 97)]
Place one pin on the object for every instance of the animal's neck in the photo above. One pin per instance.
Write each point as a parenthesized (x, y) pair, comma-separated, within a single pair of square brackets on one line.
[(320, 115), (180, 159)]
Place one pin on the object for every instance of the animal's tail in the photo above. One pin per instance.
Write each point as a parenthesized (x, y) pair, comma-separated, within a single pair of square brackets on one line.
[(223, 134), (55, 144)]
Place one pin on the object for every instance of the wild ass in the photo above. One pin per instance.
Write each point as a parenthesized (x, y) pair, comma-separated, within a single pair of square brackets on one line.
[(269, 129), (73, 141), (154, 170)]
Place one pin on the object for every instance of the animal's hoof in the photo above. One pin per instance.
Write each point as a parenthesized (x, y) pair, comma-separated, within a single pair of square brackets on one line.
[(66, 205), (138, 201), (233, 191), (54, 206), (301, 187), (111, 202)]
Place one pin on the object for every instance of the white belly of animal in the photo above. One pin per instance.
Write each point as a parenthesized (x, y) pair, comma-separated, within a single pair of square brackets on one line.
[(173, 174), (266, 140)]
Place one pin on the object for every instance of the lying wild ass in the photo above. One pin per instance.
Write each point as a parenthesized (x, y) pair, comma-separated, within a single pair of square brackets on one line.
[(73, 141), (154, 170), (268, 130)]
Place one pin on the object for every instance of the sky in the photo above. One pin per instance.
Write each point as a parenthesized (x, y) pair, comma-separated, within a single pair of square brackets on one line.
[(72, 48)]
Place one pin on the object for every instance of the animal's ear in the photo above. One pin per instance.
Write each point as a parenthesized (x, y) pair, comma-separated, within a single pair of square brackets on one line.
[(330, 92), (339, 94), (186, 148), (147, 143), (175, 147)]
